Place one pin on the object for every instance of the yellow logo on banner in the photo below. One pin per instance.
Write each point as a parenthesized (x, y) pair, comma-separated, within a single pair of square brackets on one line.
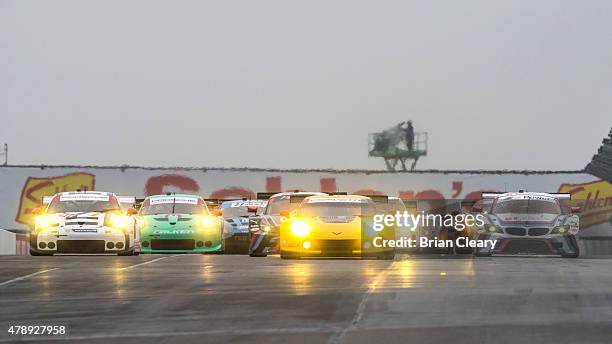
[(594, 199), (35, 188)]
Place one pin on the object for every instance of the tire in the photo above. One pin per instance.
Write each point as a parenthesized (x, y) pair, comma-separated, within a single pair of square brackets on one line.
[(257, 255), (386, 255), (39, 254), (571, 255), (128, 253), (479, 254)]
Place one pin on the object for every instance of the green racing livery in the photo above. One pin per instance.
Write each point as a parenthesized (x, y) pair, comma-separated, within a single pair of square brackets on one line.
[(178, 223)]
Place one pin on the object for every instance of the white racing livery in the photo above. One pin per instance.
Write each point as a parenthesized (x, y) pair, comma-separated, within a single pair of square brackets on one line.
[(529, 223), (83, 222)]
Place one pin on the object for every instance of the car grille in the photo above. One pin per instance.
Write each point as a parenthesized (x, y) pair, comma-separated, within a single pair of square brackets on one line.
[(80, 246), (516, 231), (526, 246), (538, 231), (337, 219), (173, 244), (82, 222), (338, 246)]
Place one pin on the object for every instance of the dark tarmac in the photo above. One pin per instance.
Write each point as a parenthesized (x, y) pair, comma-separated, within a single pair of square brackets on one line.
[(238, 299)]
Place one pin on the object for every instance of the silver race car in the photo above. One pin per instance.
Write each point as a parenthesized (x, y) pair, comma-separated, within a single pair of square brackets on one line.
[(529, 223)]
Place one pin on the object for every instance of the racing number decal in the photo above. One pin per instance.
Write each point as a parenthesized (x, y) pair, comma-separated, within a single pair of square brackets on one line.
[(35, 188)]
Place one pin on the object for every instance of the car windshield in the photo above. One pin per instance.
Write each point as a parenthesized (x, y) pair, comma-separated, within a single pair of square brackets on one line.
[(173, 208), (84, 206), (233, 209), (392, 206), (526, 206), (324, 209), (275, 205)]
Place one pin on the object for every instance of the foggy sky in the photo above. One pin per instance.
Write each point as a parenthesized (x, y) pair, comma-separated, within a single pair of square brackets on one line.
[(300, 84)]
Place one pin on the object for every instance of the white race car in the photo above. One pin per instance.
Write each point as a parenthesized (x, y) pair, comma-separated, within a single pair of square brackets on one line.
[(83, 222)]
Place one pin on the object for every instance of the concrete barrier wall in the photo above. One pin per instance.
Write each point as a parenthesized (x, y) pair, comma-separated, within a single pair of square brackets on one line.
[(7, 243)]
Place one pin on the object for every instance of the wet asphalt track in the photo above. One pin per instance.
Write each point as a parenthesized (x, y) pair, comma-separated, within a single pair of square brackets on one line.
[(215, 298)]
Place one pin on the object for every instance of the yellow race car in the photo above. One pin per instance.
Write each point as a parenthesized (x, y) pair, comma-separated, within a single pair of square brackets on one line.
[(335, 226)]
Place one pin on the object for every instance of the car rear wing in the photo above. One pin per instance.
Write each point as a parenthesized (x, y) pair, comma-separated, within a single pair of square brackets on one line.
[(265, 195), (559, 196), (127, 200), (383, 199), (297, 198), (212, 201)]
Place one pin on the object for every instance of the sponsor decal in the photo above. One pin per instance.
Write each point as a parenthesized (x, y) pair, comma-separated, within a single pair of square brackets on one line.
[(35, 188), (185, 200), (594, 200), (173, 231), (338, 200), (84, 197), (249, 203)]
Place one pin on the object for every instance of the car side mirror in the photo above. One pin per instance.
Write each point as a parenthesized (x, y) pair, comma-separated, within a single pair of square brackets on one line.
[(284, 213), (131, 211), (575, 210), (37, 211)]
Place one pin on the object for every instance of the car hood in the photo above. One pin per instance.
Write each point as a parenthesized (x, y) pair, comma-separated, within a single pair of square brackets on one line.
[(544, 220), (171, 221), (93, 218)]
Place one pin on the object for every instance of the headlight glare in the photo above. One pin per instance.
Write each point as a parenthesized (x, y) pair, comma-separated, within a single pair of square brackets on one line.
[(44, 222), (300, 228), (117, 222), (206, 222)]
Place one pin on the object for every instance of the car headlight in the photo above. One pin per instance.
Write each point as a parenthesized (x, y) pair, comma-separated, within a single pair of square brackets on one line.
[(300, 228), (493, 229), (44, 222), (561, 230), (141, 222), (206, 222), (115, 221)]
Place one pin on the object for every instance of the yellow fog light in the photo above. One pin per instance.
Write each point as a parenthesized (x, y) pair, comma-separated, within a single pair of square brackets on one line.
[(306, 244), (300, 228)]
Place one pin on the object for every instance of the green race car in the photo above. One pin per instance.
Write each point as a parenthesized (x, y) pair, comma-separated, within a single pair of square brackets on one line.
[(178, 223)]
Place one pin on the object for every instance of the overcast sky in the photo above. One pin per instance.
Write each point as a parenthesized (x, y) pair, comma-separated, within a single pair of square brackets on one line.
[(300, 84)]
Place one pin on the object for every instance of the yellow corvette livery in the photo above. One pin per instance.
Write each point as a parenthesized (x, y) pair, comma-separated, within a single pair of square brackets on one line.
[(333, 226)]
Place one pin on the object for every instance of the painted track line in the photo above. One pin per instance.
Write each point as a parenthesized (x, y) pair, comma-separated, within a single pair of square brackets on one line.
[(26, 276), (336, 339), (148, 262)]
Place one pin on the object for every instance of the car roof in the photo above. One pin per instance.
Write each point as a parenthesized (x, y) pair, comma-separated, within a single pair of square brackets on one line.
[(299, 193), (526, 195), (85, 192), (174, 195)]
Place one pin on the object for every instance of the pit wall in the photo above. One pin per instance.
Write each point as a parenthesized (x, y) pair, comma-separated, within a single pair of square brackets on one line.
[(22, 188)]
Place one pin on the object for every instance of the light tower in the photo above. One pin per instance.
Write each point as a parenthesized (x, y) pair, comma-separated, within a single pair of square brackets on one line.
[(394, 146)]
